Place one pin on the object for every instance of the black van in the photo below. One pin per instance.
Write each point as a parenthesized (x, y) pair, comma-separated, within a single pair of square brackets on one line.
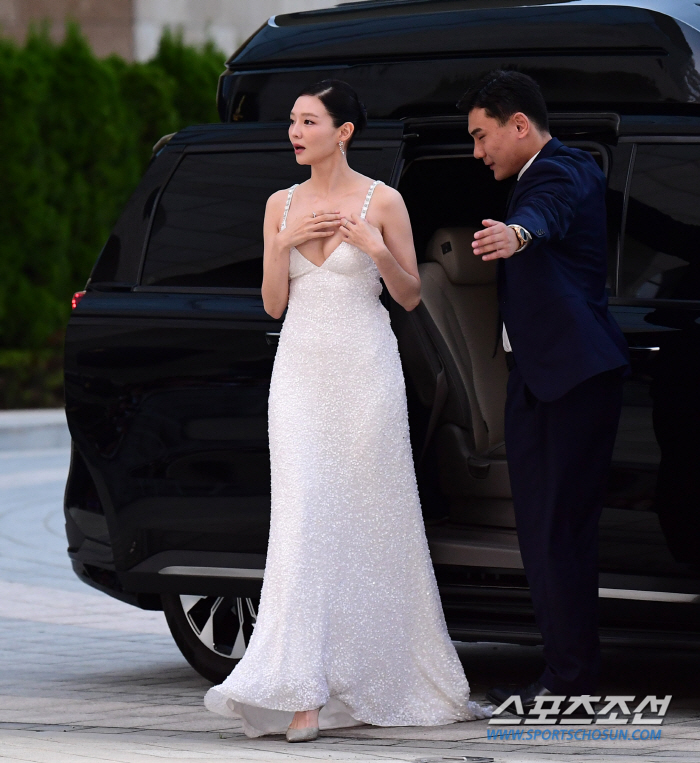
[(169, 351)]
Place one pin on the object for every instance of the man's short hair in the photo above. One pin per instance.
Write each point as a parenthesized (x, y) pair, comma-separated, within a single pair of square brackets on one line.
[(502, 93)]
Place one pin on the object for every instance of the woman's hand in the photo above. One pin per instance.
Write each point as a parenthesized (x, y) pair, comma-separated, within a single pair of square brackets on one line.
[(308, 227), (391, 246), (364, 236)]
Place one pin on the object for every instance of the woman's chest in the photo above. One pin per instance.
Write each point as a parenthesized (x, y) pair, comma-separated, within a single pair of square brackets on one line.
[(319, 248)]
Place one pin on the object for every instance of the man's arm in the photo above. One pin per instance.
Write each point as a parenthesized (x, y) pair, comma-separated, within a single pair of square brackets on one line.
[(550, 191)]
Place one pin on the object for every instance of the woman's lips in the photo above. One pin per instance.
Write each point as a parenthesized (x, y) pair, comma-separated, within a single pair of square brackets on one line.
[(298, 149)]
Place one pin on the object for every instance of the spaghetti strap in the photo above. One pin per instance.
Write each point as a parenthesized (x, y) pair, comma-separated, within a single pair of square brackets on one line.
[(368, 198), (286, 206)]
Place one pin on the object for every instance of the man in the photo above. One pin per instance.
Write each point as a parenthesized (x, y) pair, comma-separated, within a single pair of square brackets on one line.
[(567, 358)]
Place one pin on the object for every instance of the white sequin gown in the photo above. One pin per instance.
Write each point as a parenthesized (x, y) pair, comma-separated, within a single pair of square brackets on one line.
[(349, 619)]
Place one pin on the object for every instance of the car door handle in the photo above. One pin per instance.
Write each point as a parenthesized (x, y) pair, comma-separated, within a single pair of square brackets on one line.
[(645, 349), (272, 337)]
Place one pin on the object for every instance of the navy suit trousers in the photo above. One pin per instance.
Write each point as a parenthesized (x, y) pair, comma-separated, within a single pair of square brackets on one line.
[(559, 455)]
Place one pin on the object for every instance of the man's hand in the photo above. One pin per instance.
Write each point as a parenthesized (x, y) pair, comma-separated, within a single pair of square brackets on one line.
[(495, 240)]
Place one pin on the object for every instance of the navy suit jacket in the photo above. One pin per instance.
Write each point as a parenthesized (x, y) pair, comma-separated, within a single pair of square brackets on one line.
[(552, 294)]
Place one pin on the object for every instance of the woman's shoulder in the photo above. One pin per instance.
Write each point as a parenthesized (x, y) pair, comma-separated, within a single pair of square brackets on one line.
[(386, 196), (277, 200), (280, 195), (382, 192)]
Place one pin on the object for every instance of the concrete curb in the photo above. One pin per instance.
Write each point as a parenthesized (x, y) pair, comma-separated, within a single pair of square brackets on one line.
[(33, 429)]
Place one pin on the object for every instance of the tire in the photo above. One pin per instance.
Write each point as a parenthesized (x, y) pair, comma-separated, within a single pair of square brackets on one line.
[(212, 632)]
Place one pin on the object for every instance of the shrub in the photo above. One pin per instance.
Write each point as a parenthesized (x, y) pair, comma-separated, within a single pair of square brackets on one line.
[(76, 133)]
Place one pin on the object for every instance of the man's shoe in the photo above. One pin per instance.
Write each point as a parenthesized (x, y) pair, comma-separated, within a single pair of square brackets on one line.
[(499, 694)]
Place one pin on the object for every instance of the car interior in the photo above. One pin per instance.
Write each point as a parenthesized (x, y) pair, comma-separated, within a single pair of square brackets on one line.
[(456, 377), (454, 365)]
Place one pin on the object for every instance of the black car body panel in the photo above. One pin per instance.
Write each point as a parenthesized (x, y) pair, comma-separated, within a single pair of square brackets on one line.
[(169, 353), (166, 380), (413, 59)]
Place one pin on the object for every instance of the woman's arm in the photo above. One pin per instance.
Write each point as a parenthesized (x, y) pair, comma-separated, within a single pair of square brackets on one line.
[(275, 285), (390, 246)]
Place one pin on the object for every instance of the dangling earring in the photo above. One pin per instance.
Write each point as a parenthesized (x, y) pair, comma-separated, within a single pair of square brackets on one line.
[(340, 145)]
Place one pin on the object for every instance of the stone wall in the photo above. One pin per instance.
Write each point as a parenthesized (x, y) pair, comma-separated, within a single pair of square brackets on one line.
[(132, 28), (108, 24), (227, 22)]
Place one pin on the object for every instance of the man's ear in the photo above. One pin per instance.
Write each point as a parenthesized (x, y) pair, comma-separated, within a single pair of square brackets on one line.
[(521, 123)]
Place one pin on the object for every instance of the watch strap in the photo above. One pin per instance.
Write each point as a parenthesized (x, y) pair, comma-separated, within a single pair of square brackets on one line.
[(523, 240)]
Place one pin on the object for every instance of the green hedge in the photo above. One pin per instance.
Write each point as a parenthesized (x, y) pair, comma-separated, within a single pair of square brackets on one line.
[(76, 133)]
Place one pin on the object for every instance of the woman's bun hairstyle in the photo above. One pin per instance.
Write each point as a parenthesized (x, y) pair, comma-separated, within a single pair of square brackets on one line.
[(341, 103)]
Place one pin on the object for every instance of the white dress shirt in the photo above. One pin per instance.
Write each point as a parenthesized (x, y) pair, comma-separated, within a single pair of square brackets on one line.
[(506, 341)]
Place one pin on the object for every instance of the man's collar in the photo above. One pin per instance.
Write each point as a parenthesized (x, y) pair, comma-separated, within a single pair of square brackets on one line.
[(547, 150), (527, 164), (550, 147)]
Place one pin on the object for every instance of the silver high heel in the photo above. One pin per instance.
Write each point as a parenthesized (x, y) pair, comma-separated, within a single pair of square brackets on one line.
[(302, 735)]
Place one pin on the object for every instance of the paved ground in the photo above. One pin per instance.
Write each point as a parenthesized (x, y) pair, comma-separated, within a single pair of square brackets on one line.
[(86, 678)]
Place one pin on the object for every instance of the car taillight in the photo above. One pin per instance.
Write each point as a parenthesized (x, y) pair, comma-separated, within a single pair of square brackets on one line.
[(76, 298)]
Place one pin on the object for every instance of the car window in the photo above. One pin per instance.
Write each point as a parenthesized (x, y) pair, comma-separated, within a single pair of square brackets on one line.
[(601, 155), (208, 227), (660, 258)]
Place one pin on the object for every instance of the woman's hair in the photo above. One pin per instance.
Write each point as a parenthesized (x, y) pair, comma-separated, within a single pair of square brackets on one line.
[(341, 103)]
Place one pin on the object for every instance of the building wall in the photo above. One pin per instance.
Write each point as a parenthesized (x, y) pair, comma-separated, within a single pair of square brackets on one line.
[(227, 22), (108, 24), (132, 28)]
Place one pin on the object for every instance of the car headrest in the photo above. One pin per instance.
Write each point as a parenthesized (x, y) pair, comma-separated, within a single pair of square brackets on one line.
[(452, 248)]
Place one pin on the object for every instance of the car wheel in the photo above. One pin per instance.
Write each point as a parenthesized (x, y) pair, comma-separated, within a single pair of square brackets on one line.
[(212, 632)]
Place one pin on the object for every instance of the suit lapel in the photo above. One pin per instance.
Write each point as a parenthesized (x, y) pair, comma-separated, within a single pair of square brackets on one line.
[(549, 148), (509, 197)]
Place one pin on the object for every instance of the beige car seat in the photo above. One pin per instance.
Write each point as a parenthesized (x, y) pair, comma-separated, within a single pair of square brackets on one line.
[(458, 338)]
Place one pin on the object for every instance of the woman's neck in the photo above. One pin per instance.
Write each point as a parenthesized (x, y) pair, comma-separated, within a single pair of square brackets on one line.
[(329, 176)]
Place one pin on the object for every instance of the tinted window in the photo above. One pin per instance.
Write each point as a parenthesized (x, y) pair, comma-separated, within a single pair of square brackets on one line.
[(208, 227), (661, 255)]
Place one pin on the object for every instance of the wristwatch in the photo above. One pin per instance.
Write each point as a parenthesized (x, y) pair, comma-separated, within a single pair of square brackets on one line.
[(522, 235)]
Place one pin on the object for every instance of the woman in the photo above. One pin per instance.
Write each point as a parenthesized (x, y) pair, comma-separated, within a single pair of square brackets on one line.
[(350, 623)]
